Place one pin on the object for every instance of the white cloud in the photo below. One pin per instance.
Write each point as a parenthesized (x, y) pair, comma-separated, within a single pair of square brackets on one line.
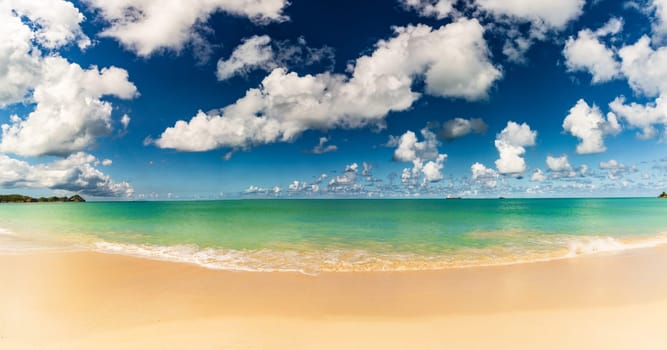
[(538, 176), (26, 27), (617, 170), (254, 53), (125, 121), (659, 8), (147, 26), (587, 53), (409, 148), (588, 124), (547, 13), (69, 113), (642, 116), (107, 162), (510, 143), (55, 23), (559, 164), (453, 61), (646, 71), (516, 45), (612, 27), (75, 173), (644, 67), (424, 155), (19, 60), (611, 164), (486, 176), (559, 167), (430, 8), (322, 147), (263, 53), (459, 127), (432, 170), (297, 186), (252, 189), (345, 182)]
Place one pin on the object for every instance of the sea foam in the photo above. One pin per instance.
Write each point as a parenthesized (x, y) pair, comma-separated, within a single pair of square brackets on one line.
[(315, 261), (594, 245)]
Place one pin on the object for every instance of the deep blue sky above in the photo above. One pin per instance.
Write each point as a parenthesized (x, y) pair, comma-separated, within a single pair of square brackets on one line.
[(512, 138)]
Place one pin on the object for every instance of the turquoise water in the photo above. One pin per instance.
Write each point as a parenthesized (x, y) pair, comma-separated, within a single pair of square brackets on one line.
[(323, 235)]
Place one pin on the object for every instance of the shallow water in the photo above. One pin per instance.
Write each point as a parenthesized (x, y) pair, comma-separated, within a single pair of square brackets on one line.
[(341, 235)]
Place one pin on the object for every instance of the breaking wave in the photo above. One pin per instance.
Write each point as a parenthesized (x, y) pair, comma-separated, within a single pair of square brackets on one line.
[(313, 262)]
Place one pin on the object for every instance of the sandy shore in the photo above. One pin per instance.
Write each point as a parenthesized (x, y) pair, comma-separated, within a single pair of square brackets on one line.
[(98, 301)]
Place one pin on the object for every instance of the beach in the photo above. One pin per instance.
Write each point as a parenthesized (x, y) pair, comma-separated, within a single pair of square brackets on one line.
[(84, 300)]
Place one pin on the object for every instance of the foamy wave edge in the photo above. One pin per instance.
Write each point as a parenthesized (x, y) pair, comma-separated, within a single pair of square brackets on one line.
[(313, 263)]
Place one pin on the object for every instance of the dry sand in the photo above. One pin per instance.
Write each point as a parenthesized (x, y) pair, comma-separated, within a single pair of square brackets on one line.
[(88, 300)]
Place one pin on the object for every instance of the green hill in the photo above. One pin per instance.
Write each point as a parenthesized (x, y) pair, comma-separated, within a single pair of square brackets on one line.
[(18, 198)]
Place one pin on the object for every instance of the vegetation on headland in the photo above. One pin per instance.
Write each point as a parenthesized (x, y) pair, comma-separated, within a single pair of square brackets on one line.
[(663, 195), (17, 198)]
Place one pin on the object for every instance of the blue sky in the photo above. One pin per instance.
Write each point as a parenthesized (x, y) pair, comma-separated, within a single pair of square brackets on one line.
[(142, 99)]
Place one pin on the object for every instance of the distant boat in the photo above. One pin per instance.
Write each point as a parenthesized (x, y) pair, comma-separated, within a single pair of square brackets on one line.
[(453, 197), (501, 197)]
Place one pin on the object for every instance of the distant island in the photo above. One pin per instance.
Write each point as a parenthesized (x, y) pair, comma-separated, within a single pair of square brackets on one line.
[(17, 198), (663, 195)]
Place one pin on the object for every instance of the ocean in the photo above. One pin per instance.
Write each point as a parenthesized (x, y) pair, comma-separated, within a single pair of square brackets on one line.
[(317, 235)]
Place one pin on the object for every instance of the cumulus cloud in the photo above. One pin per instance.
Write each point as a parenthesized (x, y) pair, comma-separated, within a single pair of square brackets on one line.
[(644, 67), (147, 26), (75, 173), (559, 164), (430, 8), (646, 71), (64, 102), (69, 113), (453, 61), (659, 23), (424, 155), (254, 53), (516, 45), (262, 53), (459, 127), (483, 175), (587, 53), (432, 170), (645, 117), (541, 13), (616, 170), (55, 23), (322, 147), (28, 26), (409, 148), (538, 176), (347, 182), (560, 167), (587, 123), (510, 143)]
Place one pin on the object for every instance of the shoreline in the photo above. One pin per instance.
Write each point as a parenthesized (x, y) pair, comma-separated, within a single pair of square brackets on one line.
[(85, 300), (587, 246)]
